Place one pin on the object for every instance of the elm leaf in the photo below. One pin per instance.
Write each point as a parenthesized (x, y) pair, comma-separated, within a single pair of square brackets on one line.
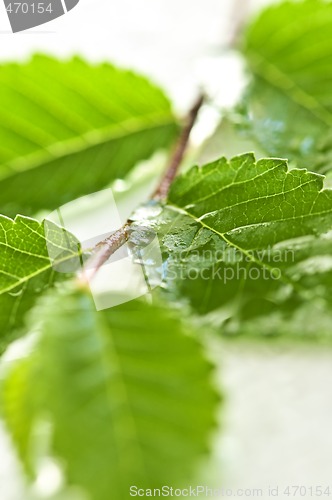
[(26, 270), (288, 106), (244, 237), (127, 392), (69, 128)]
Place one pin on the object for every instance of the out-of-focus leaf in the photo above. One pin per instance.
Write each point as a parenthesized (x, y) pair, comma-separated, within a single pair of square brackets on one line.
[(311, 320), (230, 139), (243, 238), (127, 392), (26, 270), (69, 128), (289, 104)]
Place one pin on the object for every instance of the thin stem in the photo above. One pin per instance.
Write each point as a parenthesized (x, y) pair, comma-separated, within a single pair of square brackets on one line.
[(105, 249), (179, 152)]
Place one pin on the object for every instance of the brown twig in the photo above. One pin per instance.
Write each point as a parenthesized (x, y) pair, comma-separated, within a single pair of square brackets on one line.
[(103, 252), (105, 249), (179, 152)]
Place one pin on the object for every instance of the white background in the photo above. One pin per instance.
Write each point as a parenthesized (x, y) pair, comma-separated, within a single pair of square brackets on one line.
[(279, 403)]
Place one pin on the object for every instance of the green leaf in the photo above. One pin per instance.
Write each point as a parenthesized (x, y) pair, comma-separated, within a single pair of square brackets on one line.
[(288, 106), (20, 408), (26, 270), (69, 128), (245, 238), (230, 139), (127, 392), (311, 320)]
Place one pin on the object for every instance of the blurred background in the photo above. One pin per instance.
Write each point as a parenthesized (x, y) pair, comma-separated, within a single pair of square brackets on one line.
[(276, 423), (164, 39)]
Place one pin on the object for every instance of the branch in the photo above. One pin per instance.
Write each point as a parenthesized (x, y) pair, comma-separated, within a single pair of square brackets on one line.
[(105, 249), (179, 152), (103, 252)]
